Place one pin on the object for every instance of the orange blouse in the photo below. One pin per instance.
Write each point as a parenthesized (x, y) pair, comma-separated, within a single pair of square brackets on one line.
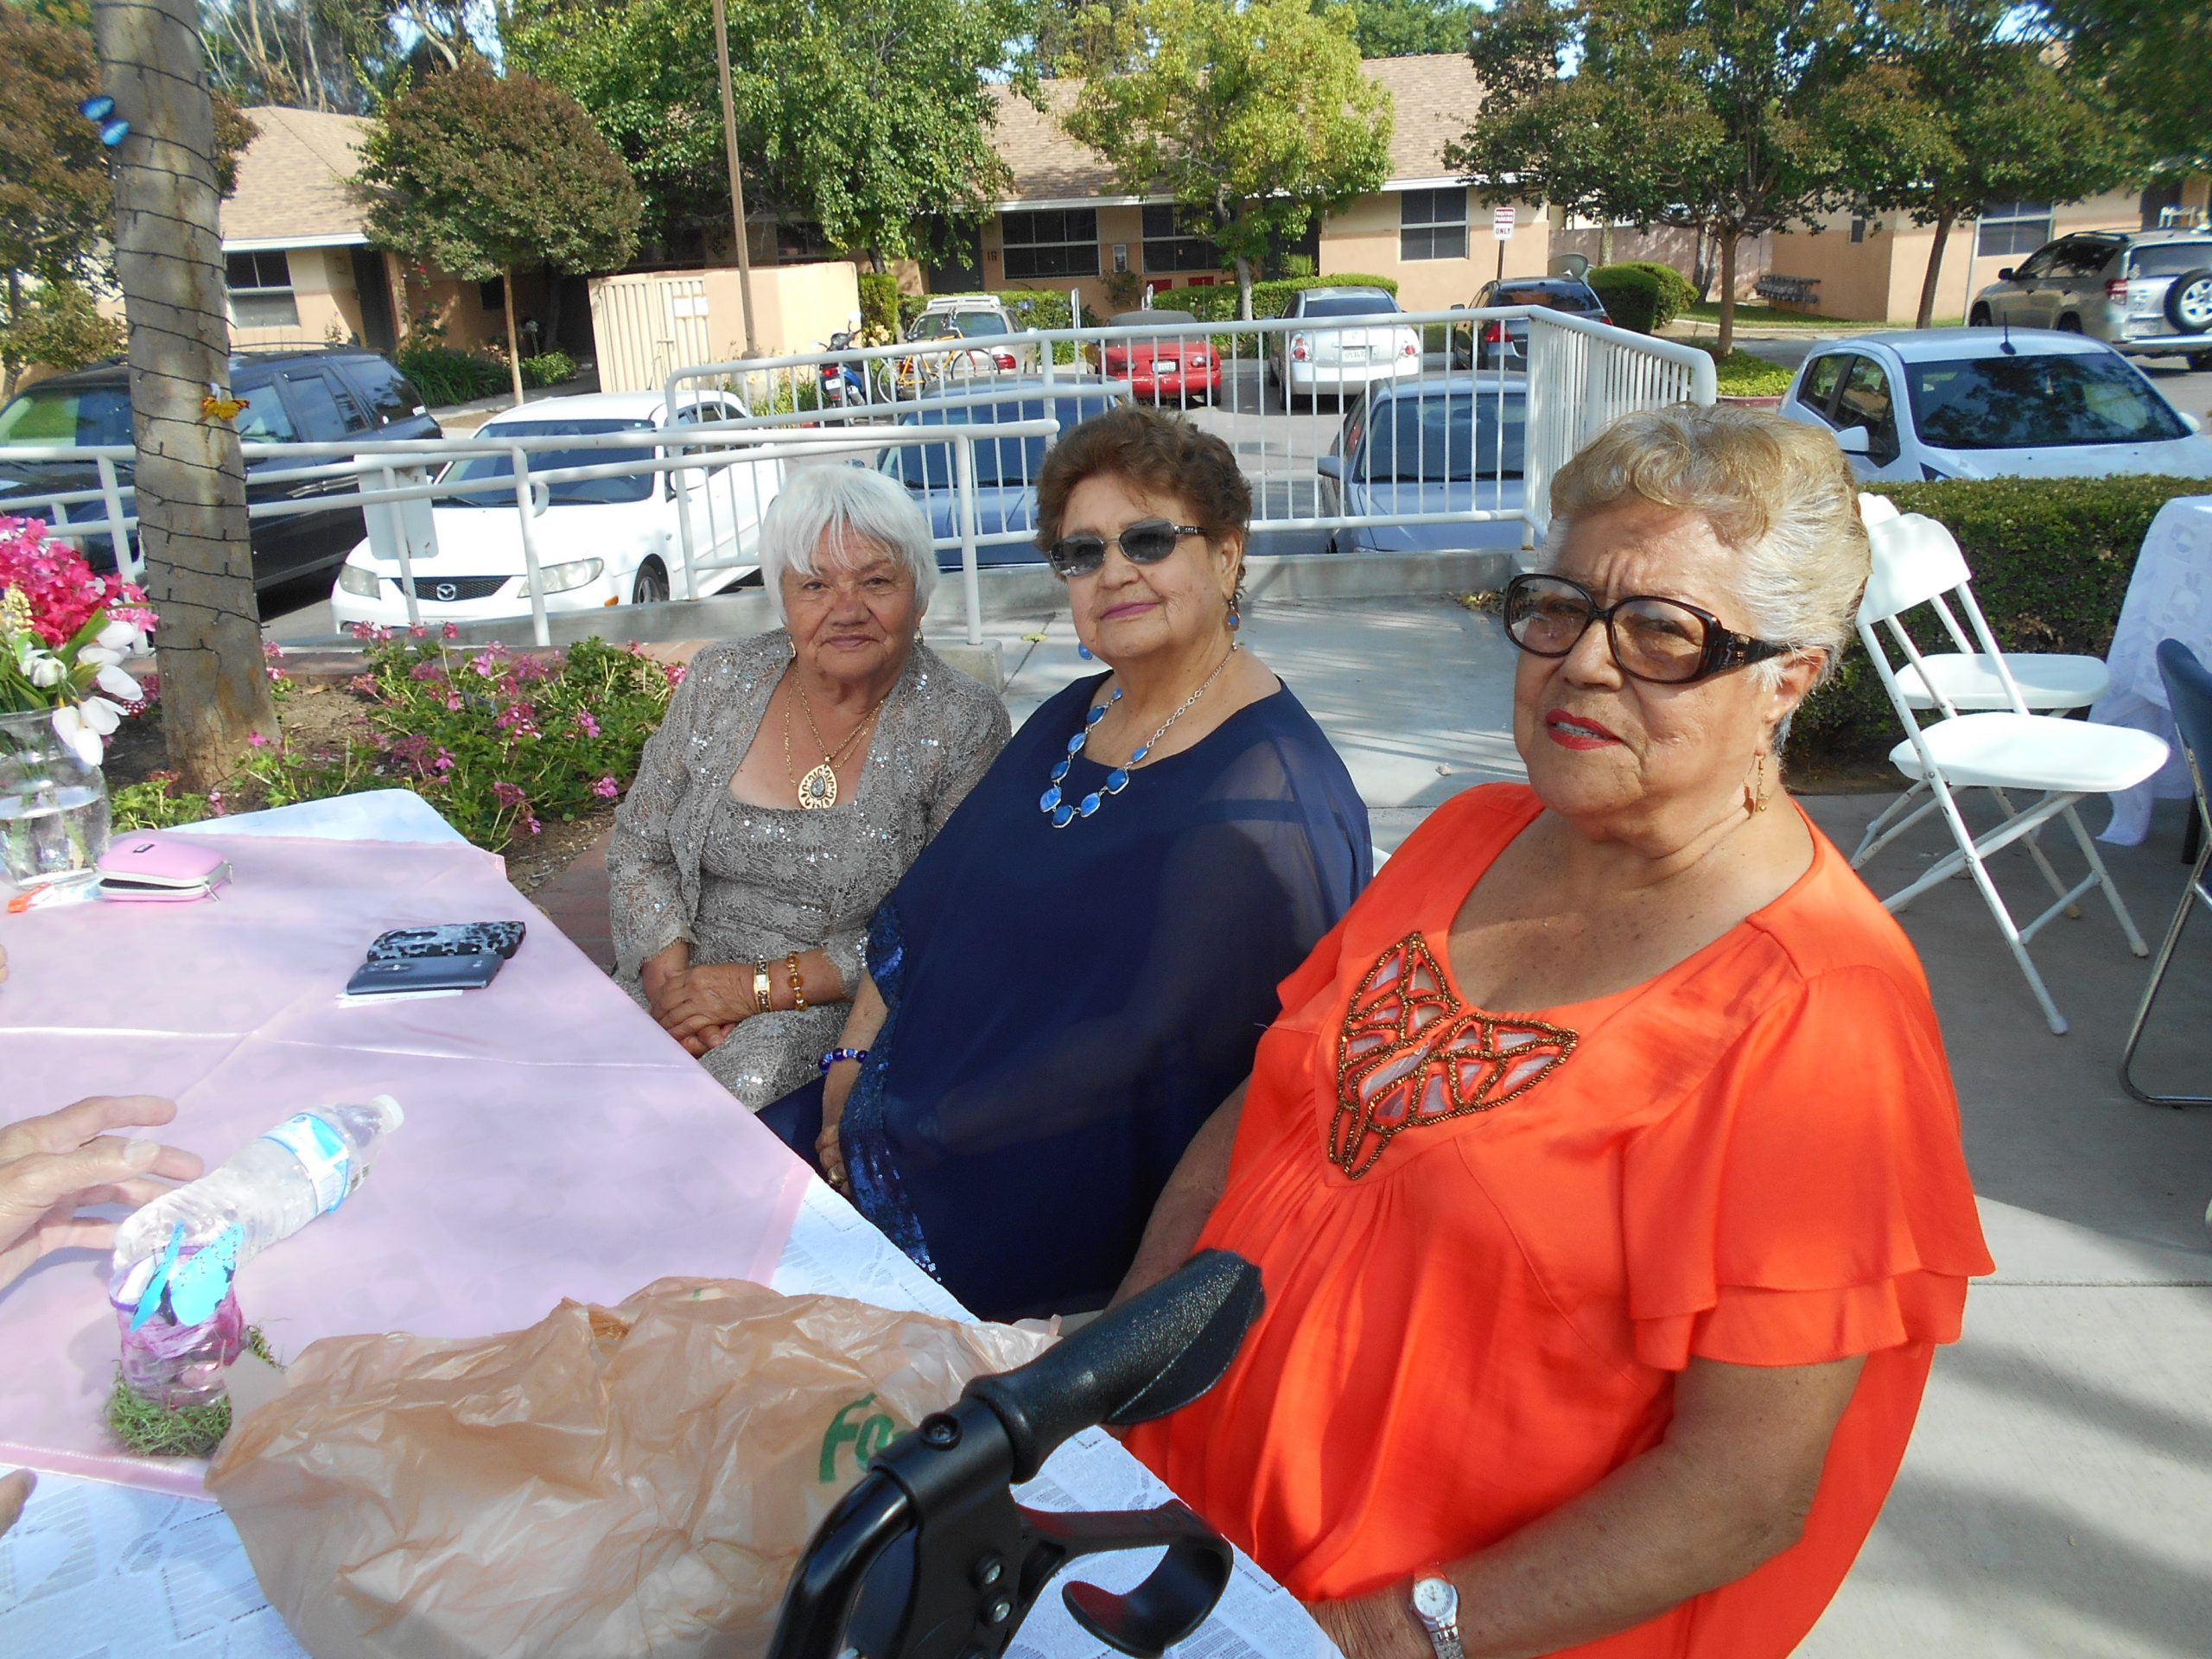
[(1488, 1242)]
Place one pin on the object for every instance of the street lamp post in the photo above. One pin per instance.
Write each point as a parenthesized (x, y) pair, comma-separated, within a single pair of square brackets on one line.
[(736, 182)]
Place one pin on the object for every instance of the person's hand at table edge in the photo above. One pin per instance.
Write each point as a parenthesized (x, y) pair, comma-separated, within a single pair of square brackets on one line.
[(54, 1166), (14, 1492)]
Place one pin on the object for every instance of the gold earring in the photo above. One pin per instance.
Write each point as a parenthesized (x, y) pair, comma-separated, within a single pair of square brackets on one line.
[(1755, 791)]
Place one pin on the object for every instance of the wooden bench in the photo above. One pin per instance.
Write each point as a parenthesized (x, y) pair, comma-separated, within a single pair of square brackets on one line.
[(1786, 291)]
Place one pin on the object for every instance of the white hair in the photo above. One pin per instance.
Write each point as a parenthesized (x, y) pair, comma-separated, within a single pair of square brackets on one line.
[(835, 507)]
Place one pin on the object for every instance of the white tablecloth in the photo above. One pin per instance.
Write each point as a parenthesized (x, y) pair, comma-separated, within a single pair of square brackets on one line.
[(93, 1571), (2168, 597)]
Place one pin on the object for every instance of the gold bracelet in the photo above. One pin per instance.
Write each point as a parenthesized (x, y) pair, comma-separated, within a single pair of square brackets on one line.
[(798, 985), (763, 987)]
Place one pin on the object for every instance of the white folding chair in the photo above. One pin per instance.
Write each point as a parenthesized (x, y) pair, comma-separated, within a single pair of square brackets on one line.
[(1965, 680), (1917, 564)]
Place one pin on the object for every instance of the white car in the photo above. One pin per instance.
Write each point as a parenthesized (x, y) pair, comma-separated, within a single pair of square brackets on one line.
[(1348, 343), (600, 541), (1986, 402)]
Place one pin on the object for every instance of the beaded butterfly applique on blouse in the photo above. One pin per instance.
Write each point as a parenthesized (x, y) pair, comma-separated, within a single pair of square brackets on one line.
[(1411, 1053)]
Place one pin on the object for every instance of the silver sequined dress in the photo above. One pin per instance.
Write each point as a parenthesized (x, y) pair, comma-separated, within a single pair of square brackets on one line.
[(689, 860)]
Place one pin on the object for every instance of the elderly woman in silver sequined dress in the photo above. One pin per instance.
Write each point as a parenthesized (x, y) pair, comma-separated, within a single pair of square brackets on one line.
[(796, 777)]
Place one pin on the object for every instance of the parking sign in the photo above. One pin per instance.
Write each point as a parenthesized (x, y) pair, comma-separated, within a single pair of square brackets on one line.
[(1501, 224)]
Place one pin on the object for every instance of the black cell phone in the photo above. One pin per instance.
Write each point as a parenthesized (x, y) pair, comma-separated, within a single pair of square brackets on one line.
[(448, 939), (403, 974)]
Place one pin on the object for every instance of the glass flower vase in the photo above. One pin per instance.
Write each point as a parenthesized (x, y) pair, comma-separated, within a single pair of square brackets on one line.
[(54, 815)]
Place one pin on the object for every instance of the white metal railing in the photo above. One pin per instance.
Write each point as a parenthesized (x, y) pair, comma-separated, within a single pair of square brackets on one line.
[(1579, 375), (1308, 473)]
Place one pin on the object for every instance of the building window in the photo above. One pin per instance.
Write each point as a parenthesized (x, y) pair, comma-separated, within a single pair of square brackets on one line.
[(261, 289), (1433, 224), (1055, 244), (1858, 228), (1168, 245), (2010, 228), (492, 295)]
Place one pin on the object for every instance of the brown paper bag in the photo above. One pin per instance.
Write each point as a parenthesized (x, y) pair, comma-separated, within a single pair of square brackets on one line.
[(605, 1484)]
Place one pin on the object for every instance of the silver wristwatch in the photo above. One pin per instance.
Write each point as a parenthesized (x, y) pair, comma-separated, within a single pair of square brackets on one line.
[(1436, 1604)]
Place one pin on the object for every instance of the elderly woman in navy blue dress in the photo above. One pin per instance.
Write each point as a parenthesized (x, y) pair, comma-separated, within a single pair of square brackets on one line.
[(1077, 970)]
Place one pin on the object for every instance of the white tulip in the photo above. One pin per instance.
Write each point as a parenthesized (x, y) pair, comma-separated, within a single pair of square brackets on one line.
[(119, 685), (73, 728), (99, 657), (43, 670), (120, 636)]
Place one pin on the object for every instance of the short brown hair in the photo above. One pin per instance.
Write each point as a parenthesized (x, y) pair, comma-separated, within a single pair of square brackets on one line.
[(1155, 452)]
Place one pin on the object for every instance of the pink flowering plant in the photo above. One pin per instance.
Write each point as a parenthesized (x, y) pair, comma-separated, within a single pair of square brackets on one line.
[(502, 743), (65, 633)]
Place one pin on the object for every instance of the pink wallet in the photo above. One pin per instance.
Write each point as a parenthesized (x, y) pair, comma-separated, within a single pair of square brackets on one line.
[(160, 870)]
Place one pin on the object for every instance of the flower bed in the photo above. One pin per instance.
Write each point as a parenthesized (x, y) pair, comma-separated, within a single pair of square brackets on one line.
[(503, 744)]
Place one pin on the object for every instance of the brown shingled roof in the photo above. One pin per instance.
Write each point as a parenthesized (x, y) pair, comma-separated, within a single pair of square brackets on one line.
[(292, 178), (1434, 98)]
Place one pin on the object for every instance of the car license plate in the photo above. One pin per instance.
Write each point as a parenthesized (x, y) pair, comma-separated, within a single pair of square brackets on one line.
[(1353, 353), (1167, 368)]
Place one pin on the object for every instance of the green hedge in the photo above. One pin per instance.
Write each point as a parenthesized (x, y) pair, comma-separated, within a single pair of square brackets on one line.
[(880, 300), (548, 368), (1632, 294), (1269, 299), (444, 375), (2050, 558), (1676, 292)]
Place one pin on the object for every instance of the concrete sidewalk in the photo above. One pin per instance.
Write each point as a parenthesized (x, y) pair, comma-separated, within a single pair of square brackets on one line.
[(2056, 1502)]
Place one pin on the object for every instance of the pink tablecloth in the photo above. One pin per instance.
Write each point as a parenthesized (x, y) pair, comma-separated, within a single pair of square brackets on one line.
[(557, 1143)]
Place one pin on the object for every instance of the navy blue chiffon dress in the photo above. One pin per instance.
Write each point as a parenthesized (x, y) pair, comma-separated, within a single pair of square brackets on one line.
[(1066, 1007)]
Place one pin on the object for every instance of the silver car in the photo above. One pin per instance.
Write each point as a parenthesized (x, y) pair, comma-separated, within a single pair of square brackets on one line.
[(2146, 293)]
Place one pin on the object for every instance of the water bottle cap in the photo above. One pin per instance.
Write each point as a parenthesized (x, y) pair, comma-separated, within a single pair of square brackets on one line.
[(389, 1107)]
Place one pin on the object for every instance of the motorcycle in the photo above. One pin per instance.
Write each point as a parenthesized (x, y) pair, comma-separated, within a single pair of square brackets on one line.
[(843, 385)]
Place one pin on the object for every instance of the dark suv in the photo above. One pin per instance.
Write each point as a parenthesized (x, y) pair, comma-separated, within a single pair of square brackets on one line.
[(1502, 343), (320, 395)]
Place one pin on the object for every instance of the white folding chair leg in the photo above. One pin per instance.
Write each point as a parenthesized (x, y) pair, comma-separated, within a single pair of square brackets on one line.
[(1880, 833), (2104, 879), (2036, 852)]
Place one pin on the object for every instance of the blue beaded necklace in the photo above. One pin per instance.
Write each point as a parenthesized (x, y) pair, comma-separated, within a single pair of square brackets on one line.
[(1064, 812)]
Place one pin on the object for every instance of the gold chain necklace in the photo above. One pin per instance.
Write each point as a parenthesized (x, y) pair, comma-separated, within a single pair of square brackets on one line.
[(817, 788)]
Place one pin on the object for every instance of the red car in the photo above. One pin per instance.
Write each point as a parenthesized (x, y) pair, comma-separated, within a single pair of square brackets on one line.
[(1166, 368)]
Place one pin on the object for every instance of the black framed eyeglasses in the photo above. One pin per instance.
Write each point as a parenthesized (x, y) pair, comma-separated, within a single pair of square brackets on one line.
[(1660, 640), (1147, 542)]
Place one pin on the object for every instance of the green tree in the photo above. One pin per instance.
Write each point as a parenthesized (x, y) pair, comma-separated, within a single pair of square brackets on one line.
[(481, 176), (54, 186), (1254, 116), (1731, 116), (870, 119), (1402, 29), (2008, 120), (312, 54), (2152, 56)]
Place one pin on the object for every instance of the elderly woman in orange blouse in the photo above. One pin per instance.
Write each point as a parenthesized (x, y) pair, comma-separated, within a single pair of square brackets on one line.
[(1603, 1166)]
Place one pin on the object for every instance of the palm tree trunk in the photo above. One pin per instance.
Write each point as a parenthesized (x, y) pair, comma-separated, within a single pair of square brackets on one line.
[(190, 477), (1928, 283)]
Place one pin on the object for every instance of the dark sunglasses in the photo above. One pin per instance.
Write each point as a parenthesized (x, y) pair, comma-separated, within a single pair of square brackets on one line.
[(1147, 542), (1660, 640)]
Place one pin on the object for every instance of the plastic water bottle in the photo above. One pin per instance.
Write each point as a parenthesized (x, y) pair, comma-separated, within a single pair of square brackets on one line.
[(271, 1187)]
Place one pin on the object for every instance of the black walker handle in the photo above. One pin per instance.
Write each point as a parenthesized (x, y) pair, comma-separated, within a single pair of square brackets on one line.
[(930, 1558)]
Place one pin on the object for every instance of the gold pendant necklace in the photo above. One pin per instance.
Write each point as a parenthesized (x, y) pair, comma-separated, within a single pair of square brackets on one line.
[(818, 787)]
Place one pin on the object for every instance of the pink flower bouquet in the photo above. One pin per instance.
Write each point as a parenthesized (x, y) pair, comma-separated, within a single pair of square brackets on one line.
[(65, 633)]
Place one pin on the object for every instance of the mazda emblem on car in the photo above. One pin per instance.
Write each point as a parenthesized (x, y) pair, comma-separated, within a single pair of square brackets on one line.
[(446, 590)]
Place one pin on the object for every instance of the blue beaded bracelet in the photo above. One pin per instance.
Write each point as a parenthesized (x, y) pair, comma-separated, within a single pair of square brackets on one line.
[(837, 1054)]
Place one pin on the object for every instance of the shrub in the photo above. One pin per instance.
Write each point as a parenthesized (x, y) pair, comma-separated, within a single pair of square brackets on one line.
[(879, 300), (444, 375), (1269, 299), (1676, 292), (1742, 375), (548, 368), (59, 326), (1631, 295), (2052, 558), (500, 744)]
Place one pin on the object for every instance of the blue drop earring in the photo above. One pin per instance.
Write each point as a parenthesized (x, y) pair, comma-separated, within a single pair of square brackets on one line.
[(1235, 619), (1085, 652)]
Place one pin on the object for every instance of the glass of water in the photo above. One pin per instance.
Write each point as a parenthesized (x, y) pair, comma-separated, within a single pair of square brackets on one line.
[(53, 821)]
